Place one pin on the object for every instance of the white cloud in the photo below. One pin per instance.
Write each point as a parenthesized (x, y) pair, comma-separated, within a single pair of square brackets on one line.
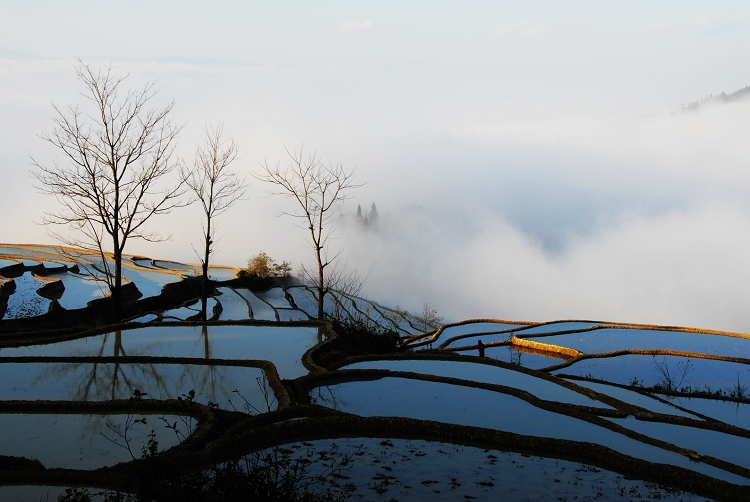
[(532, 27), (356, 25), (702, 23), (680, 268), (708, 147)]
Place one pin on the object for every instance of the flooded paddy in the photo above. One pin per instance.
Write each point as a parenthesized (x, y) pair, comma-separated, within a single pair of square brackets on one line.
[(469, 406), (303, 298), (474, 372), (424, 400), (189, 311), (555, 327), (261, 310), (283, 346), (275, 297), (80, 289), (101, 381), (731, 448), (25, 302), (407, 469), (730, 412), (611, 339), (644, 401), (428, 418), (517, 356), (467, 334), (81, 441), (649, 370)]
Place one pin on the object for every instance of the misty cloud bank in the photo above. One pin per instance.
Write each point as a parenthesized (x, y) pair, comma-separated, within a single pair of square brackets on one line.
[(640, 220), (528, 162), (606, 217), (685, 268)]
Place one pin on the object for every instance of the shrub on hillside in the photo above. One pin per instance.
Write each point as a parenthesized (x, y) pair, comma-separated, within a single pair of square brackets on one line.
[(368, 337), (262, 266)]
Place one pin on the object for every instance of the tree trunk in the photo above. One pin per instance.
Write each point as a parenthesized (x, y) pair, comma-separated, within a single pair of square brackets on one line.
[(118, 351), (117, 344), (321, 287), (117, 291), (204, 292), (204, 281), (206, 345)]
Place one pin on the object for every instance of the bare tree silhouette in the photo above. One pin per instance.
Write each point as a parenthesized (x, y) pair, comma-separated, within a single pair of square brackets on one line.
[(117, 152), (215, 187), (316, 188)]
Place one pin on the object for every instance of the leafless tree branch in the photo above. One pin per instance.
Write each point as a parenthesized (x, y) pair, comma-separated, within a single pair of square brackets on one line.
[(316, 187), (116, 155), (215, 187)]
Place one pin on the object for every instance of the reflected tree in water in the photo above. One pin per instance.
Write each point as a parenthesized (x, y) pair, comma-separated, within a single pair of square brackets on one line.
[(325, 395), (97, 381), (515, 356)]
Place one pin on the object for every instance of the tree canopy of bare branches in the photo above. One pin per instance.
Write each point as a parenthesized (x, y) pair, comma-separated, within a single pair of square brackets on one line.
[(316, 188), (215, 187), (118, 151)]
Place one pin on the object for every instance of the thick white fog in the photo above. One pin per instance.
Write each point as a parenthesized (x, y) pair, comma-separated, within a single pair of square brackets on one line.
[(527, 163)]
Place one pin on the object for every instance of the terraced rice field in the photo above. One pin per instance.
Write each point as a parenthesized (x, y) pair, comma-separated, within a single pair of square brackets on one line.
[(566, 410)]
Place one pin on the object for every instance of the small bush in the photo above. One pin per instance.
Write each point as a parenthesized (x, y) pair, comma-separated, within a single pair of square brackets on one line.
[(262, 266), (738, 390), (670, 379), (368, 337)]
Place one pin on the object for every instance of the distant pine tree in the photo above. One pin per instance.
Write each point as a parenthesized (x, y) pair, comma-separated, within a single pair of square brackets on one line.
[(370, 219), (741, 94)]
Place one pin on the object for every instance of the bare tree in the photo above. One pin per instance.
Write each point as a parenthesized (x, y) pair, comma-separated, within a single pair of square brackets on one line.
[(216, 187), (341, 283), (428, 318), (316, 187), (117, 153)]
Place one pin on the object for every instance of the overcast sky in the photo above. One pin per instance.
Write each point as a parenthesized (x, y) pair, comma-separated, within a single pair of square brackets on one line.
[(528, 161)]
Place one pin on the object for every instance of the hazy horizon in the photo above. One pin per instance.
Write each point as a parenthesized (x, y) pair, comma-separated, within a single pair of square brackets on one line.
[(528, 162)]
